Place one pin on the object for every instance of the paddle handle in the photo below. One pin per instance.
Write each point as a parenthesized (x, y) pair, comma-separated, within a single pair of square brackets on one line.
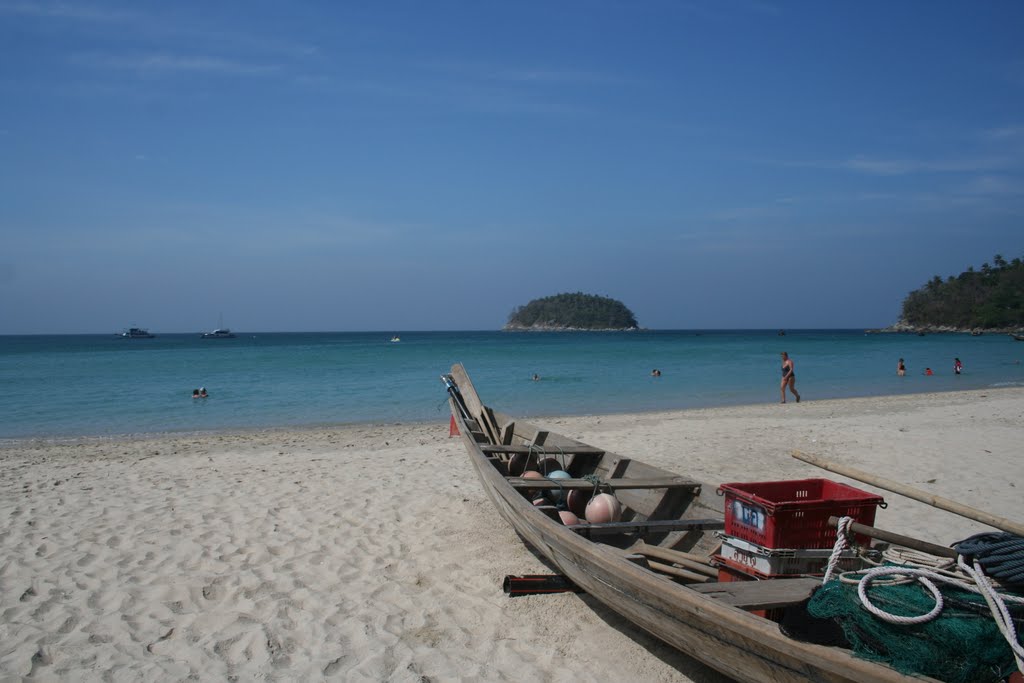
[(898, 539)]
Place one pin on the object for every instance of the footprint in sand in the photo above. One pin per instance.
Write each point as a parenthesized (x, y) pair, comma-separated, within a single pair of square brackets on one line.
[(335, 666), (68, 626)]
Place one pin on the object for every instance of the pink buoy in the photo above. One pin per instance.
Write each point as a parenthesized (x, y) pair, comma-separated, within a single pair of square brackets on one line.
[(603, 508), (532, 474), (568, 518)]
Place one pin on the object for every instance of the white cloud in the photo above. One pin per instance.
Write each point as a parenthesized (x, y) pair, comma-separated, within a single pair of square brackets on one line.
[(63, 10), (1005, 133), (167, 63), (864, 164), (990, 185)]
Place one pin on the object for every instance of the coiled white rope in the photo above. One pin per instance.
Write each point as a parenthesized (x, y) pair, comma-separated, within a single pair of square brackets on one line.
[(842, 531), (979, 583)]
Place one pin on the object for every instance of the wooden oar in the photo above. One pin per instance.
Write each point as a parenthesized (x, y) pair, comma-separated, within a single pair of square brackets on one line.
[(679, 573), (898, 539), (946, 504), (685, 560)]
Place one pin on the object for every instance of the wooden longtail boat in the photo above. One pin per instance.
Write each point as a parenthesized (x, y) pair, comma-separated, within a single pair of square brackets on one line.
[(644, 568)]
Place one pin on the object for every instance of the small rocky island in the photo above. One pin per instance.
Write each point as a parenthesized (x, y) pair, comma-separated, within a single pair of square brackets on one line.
[(987, 300), (570, 312)]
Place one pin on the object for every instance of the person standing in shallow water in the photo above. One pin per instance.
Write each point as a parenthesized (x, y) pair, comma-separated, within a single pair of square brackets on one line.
[(901, 369), (788, 378)]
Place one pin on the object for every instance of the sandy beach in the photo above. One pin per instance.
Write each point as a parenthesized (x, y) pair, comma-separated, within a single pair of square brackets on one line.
[(371, 553)]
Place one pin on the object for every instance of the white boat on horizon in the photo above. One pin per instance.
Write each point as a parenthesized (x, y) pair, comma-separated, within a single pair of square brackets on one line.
[(219, 333), (137, 333)]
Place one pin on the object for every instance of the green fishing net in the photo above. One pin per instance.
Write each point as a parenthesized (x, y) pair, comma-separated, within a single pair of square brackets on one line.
[(963, 645)]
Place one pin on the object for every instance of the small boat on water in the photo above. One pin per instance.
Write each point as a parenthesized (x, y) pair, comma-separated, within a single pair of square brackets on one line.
[(136, 333), (219, 333), (396, 339), (655, 552)]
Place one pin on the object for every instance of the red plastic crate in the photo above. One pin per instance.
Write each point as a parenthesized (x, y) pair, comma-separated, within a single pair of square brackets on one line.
[(794, 514)]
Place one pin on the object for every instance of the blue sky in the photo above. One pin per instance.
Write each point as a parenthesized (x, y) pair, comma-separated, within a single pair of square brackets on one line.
[(431, 165)]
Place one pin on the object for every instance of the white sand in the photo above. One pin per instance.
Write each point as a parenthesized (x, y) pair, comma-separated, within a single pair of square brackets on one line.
[(371, 553)]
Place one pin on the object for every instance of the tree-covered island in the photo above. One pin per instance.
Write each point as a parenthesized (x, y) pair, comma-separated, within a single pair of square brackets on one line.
[(990, 300), (572, 312)]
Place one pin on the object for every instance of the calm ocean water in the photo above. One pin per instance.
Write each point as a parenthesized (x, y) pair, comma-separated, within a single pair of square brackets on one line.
[(104, 385)]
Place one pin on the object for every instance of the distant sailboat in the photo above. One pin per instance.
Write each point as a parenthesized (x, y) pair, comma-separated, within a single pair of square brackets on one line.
[(220, 333)]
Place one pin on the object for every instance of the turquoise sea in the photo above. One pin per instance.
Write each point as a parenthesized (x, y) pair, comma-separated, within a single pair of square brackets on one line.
[(74, 385)]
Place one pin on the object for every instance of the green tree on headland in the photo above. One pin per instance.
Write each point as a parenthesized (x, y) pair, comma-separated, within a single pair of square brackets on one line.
[(572, 311), (990, 298)]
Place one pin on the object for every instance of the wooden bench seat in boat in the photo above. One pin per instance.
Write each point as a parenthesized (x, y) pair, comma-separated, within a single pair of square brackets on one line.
[(614, 484), (647, 526), (541, 450), (766, 594)]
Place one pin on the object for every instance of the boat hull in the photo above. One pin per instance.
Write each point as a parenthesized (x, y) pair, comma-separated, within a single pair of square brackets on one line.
[(728, 639)]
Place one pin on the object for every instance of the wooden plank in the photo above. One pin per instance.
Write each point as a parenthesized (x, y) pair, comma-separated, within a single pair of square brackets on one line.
[(684, 574), (507, 431), (619, 466), (490, 426), (682, 559), (659, 504), (767, 594), (539, 450), (658, 526), (615, 484)]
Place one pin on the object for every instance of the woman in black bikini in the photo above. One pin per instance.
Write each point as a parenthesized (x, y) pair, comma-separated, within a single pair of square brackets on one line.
[(788, 377)]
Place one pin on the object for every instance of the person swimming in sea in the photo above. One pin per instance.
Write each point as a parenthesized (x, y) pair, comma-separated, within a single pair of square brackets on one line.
[(957, 366), (901, 369)]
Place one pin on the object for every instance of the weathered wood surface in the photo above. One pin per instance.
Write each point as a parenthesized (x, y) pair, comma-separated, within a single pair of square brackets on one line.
[(898, 539), (541, 450), (647, 526), (616, 484), (676, 557), (684, 574), (768, 594)]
